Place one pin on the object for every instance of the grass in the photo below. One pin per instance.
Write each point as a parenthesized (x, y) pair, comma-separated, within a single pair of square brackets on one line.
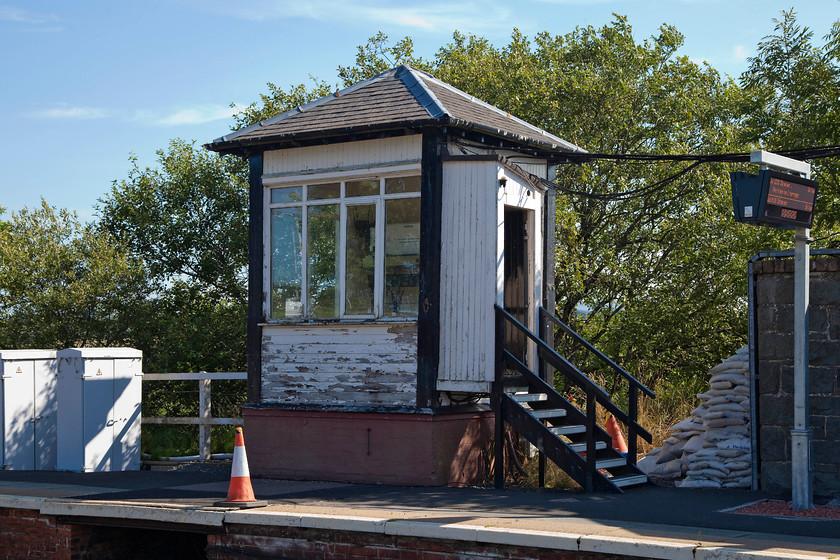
[(160, 442)]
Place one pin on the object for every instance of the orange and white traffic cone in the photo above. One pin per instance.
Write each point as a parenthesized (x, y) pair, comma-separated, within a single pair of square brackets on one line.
[(240, 492), (615, 433)]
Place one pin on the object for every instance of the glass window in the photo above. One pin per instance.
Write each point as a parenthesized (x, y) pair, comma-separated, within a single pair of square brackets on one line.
[(360, 263), (327, 190), (396, 185), (368, 187), (322, 251), (402, 257), (286, 194), (286, 263), (334, 255)]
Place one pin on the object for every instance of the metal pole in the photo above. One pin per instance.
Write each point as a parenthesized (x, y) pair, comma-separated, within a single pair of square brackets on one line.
[(800, 436), (204, 412)]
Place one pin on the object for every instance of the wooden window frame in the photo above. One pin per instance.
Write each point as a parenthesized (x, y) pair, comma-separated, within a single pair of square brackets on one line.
[(342, 177)]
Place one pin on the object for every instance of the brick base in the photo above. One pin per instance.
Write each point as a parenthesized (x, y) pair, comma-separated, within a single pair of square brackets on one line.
[(26, 533), (292, 543), (402, 449)]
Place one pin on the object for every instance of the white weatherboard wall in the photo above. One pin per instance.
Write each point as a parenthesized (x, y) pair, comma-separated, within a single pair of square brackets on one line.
[(99, 394), (340, 364), (28, 409), (472, 266), (342, 157)]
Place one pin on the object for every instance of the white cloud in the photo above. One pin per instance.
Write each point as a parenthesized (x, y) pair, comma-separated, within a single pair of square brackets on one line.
[(433, 16), (11, 13), (189, 115), (740, 53), (72, 112), (183, 116)]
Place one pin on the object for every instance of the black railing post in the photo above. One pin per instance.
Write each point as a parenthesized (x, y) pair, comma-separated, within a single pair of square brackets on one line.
[(632, 433), (590, 438), (498, 404), (542, 368)]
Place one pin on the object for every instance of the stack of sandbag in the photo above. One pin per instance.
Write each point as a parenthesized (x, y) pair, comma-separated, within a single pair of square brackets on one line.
[(711, 449)]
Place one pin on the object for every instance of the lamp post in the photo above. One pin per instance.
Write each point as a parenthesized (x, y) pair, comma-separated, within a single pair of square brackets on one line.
[(802, 487)]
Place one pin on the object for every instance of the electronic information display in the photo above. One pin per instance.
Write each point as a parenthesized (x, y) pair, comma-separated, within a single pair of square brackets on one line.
[(774, 199)]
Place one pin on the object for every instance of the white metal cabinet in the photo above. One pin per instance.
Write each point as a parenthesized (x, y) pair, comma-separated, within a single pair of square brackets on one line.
[(28, 409), (99, 390)]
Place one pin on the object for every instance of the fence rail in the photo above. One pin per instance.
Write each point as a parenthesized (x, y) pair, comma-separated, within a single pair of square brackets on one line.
[(204, 419)]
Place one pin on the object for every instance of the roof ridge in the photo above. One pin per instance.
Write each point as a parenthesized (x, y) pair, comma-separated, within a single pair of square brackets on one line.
[(422, 94), (493, 108), (305, 107)]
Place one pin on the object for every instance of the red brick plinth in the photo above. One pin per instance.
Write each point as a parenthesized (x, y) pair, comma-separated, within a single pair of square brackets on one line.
[(365, 447)]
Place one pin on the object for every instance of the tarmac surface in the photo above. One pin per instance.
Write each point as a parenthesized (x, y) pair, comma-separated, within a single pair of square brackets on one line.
[(649, 514)]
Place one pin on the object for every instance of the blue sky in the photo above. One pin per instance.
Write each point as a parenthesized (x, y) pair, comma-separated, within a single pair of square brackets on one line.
[(84, 84)]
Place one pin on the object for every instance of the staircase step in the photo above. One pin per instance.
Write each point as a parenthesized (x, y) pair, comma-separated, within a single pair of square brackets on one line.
[(529, 397), (610, 463), (515, 390), (566, 430), (548, 413), (581, 447), (629, 480)]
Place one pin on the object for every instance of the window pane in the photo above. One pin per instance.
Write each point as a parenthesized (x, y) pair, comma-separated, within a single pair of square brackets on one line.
[(362, 188), (397, 185), (359, 276), (286, 194), (322, 246), (286, 263), (327, 190), (402, 257)]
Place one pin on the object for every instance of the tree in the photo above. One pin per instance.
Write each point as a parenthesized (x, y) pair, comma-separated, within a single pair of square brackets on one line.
[(791, 90), (64, 283), (185, 221), (638, 265)]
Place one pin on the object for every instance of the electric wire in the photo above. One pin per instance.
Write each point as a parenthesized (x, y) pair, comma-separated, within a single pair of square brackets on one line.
[(817, 152)]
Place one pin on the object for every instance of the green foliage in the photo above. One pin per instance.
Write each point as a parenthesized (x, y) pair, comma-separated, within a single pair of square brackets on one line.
[(791, 90), (186, 221), (64, 284), (377, 56)]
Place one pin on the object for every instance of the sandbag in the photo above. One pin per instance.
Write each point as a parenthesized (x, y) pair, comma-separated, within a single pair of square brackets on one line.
[(687, 425), (734, 378), (709, 464), (723, 434), (735, 407), (721, 399), (731, 453), (740, 443), (725, 422), (696, 443)]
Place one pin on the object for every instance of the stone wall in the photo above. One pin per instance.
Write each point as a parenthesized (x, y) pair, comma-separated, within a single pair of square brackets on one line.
[(774, 355)]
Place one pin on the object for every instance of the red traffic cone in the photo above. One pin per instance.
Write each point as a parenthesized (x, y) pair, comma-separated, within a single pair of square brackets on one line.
[(240, 492), (617, 439)]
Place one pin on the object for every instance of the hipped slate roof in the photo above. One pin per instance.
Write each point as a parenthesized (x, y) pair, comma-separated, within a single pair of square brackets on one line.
[(398, 99)]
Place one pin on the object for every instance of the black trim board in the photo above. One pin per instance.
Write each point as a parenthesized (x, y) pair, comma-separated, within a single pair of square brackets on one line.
[(428, 320), (253, 340)]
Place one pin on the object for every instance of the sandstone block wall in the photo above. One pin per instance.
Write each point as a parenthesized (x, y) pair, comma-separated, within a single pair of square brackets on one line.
[(774, 353)]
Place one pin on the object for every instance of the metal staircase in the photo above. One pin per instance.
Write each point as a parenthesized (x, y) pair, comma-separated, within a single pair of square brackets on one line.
[(562, 432)]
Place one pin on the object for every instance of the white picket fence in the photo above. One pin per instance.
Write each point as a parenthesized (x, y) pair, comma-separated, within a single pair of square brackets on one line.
[(205, 419)]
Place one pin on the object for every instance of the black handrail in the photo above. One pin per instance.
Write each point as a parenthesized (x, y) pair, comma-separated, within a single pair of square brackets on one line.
[(592, 389), (544, 314)]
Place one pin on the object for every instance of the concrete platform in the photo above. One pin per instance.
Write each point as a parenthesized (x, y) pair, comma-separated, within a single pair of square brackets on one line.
[(647, 522)]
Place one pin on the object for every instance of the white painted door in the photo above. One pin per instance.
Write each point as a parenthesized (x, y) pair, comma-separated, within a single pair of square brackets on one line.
[(127, 396), (18, 413), (46, 414), (98, 414)]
